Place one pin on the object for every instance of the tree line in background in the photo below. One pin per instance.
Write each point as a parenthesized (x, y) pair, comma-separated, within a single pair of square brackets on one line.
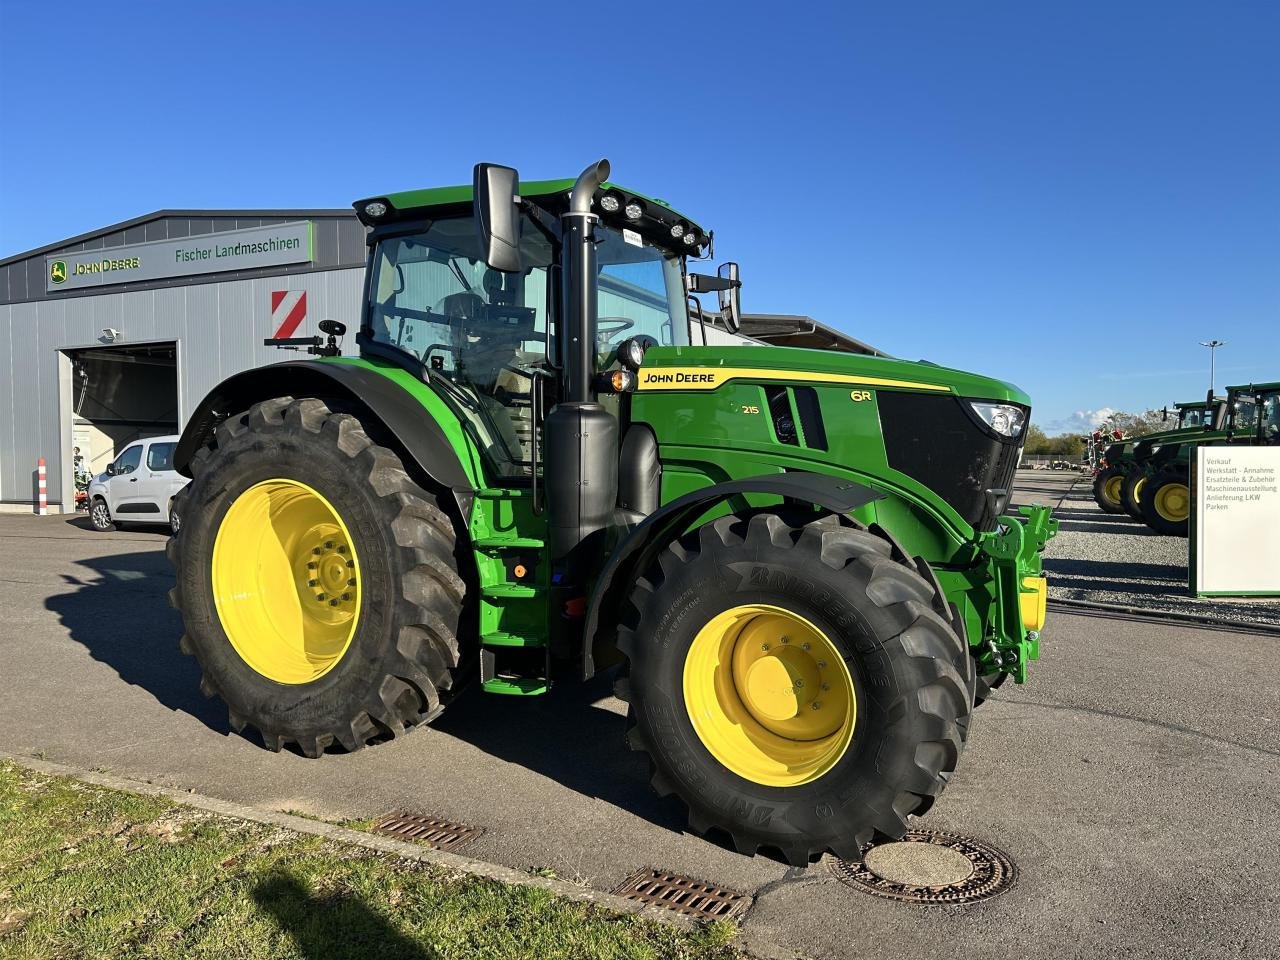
[(1071, 446)]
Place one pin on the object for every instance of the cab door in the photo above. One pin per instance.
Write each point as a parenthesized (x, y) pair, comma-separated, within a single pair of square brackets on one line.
[(123, 489), (157, 481)]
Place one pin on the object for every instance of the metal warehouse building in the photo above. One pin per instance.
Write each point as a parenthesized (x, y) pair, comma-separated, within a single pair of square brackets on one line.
[(117, 334)]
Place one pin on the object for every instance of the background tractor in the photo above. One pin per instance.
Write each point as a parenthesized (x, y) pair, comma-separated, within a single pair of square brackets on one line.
[(1250, 416), (798, 562), (1118, 482)]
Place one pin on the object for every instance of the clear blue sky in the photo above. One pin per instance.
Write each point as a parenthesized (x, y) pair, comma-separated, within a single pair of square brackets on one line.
[(1068, 196)]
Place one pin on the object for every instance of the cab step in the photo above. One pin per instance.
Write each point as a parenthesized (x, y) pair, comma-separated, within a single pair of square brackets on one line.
[(504, 639), (509, 543), (516, 686), (508, 590), (503, 493)]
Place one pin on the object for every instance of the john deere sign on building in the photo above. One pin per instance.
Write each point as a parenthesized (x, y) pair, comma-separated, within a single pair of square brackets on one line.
[(209, 253)]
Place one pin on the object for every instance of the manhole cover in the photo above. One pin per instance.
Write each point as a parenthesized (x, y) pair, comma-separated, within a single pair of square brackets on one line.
[(682, 894), (429, 830), (929, 866)]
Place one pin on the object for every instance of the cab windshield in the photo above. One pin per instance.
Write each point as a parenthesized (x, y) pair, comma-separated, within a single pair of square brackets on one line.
[(481, 336), (1269, 417), (1194, 417), (1244, 415)]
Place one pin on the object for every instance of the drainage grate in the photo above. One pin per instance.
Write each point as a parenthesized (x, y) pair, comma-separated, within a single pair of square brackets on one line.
[(992, 871), (682, 894), (429, 830)]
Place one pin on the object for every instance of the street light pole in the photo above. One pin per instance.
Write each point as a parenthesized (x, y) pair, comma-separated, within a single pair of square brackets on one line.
[(1213, 346)]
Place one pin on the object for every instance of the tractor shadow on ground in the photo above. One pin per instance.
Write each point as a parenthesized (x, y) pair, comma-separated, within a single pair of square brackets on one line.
[(568, 736), (333, 928), (119, 611)]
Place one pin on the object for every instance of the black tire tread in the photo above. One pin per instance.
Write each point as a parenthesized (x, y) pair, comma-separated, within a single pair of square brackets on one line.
[(424, 669), (940, 704)]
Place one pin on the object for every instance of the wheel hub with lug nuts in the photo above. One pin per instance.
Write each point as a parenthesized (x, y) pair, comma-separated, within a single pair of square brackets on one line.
[(769, 695), (286, 581)]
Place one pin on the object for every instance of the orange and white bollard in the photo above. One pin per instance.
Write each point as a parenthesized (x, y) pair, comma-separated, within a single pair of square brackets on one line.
[(42, 485)]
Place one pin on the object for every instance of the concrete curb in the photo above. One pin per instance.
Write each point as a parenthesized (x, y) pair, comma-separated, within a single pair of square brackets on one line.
[(388, 845)]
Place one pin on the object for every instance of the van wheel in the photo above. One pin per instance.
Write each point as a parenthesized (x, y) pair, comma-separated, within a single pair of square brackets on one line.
[(100, 515), (175, 521)]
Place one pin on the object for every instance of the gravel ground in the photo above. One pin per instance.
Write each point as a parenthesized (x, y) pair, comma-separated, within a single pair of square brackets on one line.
[(1108, 558)]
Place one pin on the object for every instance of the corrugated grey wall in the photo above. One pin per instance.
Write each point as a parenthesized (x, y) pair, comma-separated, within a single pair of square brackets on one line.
[(219, 328)]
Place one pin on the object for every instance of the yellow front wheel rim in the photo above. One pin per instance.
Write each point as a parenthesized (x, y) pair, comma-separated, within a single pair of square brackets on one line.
[(769, 695), (286, 581), (1111, 489), (1173, 502), (1137, 490)]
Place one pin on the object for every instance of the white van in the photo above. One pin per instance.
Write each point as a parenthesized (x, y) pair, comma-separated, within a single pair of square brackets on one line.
[(138, 487)]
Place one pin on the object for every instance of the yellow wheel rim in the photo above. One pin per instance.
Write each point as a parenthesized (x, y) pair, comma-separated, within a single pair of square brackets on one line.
[(1173, 502), (286, 581), (769, 695), (1137, 490), (1111, 489)]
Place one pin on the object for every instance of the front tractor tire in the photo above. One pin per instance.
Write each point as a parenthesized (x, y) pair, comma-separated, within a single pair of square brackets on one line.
[(316, 581), (797, 682), (1166, 504), (1107, 487), (1131, 493)]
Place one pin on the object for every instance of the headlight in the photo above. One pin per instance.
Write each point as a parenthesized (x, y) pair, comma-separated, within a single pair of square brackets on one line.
[(610, 203), (375, 209), (1003, 418), (633, 210)]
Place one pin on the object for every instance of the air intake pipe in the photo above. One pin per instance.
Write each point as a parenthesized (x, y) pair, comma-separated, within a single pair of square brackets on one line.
[(581, 461)]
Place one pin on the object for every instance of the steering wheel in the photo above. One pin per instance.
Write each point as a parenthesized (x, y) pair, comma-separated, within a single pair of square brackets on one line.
[(615, 326)]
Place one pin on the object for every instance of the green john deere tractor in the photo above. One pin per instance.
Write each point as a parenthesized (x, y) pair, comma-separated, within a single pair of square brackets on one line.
[(1251, 417), (798, 562), (1120, 479)]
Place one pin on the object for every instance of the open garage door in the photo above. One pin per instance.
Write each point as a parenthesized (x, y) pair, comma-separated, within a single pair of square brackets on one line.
[(119, 395)]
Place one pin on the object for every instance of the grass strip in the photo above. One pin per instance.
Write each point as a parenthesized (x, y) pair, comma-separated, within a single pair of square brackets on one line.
[(87, 871)]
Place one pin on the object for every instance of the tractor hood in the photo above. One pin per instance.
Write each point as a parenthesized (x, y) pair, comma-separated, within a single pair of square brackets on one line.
[(705, 368)]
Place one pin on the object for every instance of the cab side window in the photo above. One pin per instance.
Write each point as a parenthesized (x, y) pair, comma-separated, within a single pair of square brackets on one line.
[(128, 461), (160, 457)]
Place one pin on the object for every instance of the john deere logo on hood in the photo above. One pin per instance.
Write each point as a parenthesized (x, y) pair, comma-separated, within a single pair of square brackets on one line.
[(58, 271)]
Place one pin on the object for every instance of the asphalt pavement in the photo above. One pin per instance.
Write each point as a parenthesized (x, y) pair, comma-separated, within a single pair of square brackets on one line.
[(1135, 780)]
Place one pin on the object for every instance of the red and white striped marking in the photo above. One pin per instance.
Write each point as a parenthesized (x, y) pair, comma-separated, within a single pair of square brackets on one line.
[(42, 484), (288, 310)]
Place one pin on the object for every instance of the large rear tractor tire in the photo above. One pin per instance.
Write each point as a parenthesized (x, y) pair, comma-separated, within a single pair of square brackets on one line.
[(1106, 489), (1131, 493), (797, 681), (1166, 504), (316, 581)]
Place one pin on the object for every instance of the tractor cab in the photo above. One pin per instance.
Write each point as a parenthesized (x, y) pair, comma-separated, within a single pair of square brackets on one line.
[(1254, 413), (489, 332)]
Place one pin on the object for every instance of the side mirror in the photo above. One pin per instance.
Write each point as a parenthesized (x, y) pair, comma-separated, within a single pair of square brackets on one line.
[(111, 470), (334, 328), (496, 202), (1164, 414), (731, 298)]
